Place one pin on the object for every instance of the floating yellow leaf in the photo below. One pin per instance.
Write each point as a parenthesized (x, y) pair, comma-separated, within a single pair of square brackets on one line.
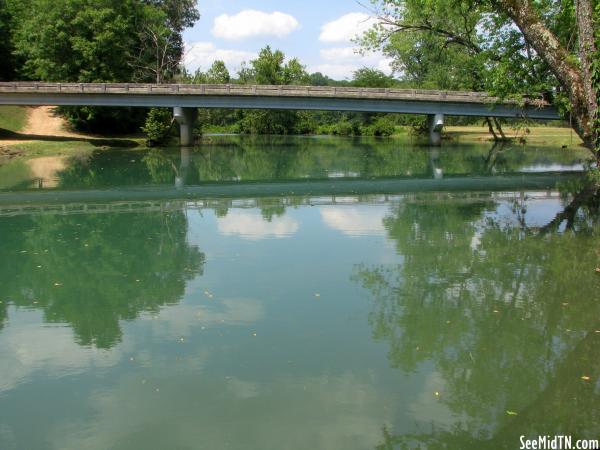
[(585, 378)]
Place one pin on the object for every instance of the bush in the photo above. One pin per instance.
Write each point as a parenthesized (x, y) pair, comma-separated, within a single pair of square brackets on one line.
[(347, 128), (383, 126), (158, 127)]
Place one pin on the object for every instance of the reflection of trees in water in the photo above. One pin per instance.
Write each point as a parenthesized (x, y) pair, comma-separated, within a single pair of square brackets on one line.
[(282, 158), (93, 271), (508, 316)]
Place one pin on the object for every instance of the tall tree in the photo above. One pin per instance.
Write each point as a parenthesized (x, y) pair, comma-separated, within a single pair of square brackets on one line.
[(271, 68), (99, 41), (7, 68), (509, 46)]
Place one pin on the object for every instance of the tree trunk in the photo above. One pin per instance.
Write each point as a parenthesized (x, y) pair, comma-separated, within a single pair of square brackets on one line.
[(587, 53), (550, 49)]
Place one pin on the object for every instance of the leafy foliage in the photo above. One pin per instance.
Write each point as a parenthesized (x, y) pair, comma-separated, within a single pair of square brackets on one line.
[(97, 41), (158, 126), (504, 47)]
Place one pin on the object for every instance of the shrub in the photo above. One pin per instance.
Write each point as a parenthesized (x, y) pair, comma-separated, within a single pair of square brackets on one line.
[(158, 127), (383, 126)]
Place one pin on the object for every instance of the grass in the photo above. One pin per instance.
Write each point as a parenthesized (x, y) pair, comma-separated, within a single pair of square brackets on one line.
[(12, 118), (535, 135)]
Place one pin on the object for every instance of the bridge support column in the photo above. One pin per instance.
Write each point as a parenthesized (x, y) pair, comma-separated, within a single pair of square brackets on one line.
[(186, 117), (436, 123)]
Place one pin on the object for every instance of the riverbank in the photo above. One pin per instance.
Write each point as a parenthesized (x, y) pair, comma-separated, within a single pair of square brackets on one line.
[(26, 131), (39, 131)]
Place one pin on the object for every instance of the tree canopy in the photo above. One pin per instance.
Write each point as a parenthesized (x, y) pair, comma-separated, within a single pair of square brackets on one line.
[(94, 41), (506, 47)]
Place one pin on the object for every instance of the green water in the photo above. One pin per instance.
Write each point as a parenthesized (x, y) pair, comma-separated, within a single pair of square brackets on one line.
[(139, 312)]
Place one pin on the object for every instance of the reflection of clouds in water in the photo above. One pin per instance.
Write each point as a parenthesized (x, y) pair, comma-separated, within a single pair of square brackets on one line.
[(251, 225), (539, 208), (355, 220), (178, 321), (429, 407), (26, 348), (343, 411)]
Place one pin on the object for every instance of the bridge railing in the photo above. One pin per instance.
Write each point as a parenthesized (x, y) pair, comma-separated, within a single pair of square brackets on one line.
[(256, 90)]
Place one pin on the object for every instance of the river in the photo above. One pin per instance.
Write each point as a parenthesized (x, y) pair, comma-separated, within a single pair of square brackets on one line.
[(294, 293)]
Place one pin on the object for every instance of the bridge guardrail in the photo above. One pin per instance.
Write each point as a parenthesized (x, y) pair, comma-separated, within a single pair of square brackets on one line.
[(258, 90)]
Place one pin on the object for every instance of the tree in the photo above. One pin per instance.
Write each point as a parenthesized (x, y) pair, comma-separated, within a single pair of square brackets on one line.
[(99, 41), (158, 126), (575, 78), (269, 68), (158, 53), (218, 73), (372, 78), (7, 69), (510, 47)]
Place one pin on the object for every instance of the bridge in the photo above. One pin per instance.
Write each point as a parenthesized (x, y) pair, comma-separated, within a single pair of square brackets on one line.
[(185, 99)]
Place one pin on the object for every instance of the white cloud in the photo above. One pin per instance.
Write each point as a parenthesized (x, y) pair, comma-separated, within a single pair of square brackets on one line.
[(346, 28), (353, 220), (251, 225), (341, 62), (203, 54), (251, 23)]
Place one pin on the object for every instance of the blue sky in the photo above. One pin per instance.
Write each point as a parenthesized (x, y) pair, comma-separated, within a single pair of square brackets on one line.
[(317, 32)]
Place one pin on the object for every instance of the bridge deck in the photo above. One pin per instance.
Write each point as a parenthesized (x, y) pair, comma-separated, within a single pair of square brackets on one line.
[(411, 101), (258, 90)]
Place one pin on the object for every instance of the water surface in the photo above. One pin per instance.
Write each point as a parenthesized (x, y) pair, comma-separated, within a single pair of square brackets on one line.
[(453, 318)]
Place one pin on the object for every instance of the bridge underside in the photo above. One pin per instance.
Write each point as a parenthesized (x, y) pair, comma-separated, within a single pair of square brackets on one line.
[(184, 104)]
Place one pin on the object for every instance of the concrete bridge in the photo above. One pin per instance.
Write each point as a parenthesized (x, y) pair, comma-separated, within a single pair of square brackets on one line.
[(185, 99)]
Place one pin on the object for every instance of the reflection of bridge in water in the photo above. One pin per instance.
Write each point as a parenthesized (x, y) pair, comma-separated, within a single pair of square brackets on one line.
[(290, 194), (179, 205)]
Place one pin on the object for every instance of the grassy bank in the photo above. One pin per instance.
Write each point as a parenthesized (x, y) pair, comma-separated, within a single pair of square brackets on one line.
[(12, 119), (534, 135)]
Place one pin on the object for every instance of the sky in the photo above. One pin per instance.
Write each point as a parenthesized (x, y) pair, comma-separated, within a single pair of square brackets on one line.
[(318, 32)]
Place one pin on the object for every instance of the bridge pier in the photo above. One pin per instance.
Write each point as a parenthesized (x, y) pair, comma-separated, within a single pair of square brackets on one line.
[(182, 173), (186, 117), (436, 123)]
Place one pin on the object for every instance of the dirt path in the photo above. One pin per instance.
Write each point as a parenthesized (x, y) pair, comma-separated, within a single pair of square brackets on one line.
[(43, 121)]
